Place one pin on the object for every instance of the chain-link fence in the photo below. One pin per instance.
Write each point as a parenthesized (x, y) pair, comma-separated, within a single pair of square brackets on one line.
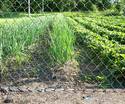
[(55, 45)]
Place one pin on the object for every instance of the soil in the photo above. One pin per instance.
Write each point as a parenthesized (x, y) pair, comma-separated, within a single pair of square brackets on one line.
[(70, 94), (68, 97), (73, 93)]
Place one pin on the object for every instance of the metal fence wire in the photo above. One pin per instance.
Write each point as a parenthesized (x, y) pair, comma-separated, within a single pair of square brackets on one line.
[(48, 45)]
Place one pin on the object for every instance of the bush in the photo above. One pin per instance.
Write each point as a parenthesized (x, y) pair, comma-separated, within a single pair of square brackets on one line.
[(124, 10), (118, 7)]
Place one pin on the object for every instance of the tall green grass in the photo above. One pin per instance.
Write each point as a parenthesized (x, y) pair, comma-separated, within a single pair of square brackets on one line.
[(62, 40), (16, 36)]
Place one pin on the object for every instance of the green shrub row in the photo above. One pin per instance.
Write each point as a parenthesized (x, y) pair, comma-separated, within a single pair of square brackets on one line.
[(119, 21), (112, 35), (109, 26), (111, 54)]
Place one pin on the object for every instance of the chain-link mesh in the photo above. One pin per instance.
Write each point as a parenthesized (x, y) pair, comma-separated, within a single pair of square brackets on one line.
[(55, 45)]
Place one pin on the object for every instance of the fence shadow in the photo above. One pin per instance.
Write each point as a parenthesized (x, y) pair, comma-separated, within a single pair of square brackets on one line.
[(95, 74)]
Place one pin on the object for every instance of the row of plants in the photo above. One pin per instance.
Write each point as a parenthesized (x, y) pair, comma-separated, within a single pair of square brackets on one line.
[(112, 35), (116, 21), (111, 54), (110, 20), (16, 36), (108, 25), (48, 39), (115, 28), (121, 18), (62, 40)]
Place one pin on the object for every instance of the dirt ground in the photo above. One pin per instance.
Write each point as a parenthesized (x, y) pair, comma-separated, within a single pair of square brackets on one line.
[(88, 94), (74, 95), (69, 97)]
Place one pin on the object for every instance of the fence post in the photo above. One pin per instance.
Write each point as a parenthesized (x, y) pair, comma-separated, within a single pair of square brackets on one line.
[(42, 5), (29, 9)]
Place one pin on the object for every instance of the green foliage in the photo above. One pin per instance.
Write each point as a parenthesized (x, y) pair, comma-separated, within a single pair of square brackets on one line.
[(62, 40), (104, 4), (120, 6), (16, 36), (104, 29), (109, 52), (124, 10), (5, 5), (55, 5)]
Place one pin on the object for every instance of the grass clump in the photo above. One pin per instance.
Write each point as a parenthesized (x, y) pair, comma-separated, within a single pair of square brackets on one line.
[(16, 37), (52, 33), (62, 40)]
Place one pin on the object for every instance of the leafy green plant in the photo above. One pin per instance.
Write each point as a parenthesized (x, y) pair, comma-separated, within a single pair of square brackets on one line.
[(110, 53), (103, 29)]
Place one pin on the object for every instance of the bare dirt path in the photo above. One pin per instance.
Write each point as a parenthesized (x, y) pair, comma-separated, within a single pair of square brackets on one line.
[(66, 93), (68, 97)]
